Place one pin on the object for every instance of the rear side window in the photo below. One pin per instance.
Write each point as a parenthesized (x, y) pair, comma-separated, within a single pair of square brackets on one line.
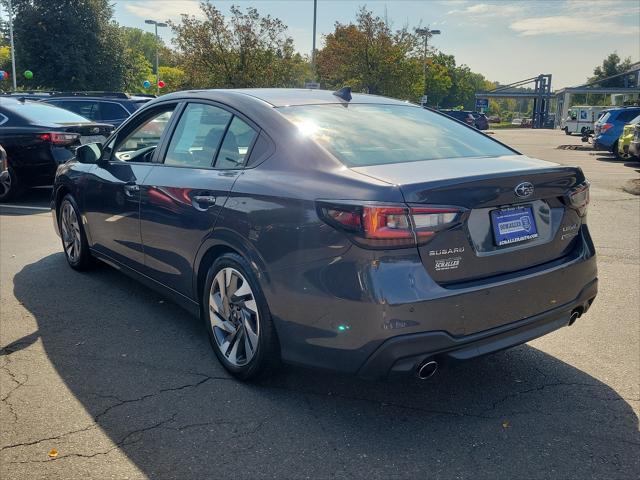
[(627, 115), (361, 135), (236, 145), (112, 111), (197, 136)]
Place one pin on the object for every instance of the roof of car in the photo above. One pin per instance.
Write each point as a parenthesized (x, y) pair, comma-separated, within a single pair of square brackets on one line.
[(281, 97)]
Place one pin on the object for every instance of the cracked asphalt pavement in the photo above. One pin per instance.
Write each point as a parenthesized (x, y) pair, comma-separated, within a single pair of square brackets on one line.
[(123, 384)]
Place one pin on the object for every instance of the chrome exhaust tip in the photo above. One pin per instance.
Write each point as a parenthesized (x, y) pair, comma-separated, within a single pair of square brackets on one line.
[(575, 314), (427, 369)]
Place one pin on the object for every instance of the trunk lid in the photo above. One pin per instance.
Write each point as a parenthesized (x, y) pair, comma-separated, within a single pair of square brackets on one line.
[(484, 190)]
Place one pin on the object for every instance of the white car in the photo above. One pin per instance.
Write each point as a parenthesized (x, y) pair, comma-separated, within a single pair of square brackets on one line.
[(516, 121)]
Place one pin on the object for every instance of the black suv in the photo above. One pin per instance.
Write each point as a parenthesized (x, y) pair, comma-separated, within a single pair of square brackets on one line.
[(104, 107), (464, 116)]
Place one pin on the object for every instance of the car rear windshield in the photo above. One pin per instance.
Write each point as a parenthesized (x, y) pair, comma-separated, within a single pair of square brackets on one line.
[(362, 134), (44, 114)]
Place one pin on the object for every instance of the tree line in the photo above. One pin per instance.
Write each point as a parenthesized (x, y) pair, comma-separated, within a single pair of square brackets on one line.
[(77, 45)]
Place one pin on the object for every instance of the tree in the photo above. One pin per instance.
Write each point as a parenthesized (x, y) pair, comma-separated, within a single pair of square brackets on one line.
[(246, 50), (69, 44), (611, 65), (368, 56)]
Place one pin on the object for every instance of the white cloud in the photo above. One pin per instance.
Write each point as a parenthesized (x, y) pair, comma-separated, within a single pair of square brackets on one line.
[(163, 10), (565, 24), (484, 10)]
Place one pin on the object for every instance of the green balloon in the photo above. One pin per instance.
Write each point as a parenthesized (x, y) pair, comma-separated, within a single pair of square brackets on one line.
[(28, 74)]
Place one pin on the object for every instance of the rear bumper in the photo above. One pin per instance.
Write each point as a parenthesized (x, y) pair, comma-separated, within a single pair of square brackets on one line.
[(344, 314), (401, 355)]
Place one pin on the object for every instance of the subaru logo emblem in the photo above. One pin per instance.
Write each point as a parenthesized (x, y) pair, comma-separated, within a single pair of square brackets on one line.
[(95, 130), (524, 189)]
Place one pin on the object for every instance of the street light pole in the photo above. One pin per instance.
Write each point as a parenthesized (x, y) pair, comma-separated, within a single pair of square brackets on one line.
[(426, 33), (156, 25), (13, 47)]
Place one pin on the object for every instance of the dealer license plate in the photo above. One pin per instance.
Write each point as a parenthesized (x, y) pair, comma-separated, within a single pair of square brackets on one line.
[(513, 225)]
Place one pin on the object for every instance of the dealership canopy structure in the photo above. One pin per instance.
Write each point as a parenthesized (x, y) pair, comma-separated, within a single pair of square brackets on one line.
[(628, 89)]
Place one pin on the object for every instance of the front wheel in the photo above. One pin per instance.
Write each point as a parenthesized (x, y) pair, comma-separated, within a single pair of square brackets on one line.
[(74, 240), (566, 131), (238, 320)]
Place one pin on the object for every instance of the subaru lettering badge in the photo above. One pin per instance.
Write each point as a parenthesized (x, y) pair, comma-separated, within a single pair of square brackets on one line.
[(524, 189)]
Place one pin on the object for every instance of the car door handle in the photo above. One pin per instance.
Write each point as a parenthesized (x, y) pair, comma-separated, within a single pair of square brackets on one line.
[(131, 188), (203, 202)]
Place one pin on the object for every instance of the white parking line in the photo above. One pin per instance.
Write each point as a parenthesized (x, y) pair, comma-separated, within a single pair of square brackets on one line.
[(25, 207)]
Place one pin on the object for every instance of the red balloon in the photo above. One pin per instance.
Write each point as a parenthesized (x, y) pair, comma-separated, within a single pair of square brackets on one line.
[(161, 84)]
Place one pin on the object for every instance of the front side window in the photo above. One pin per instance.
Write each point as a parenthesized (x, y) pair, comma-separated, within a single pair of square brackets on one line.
[(86, 109), (139, 144), (197, 136), (362, 135)]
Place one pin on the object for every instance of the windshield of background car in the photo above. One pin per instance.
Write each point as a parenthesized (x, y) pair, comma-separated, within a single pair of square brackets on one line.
[(362, 135), (42, 113)]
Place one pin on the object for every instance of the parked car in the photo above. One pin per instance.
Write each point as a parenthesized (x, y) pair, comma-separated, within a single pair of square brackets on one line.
[(494, 119), (609, 126), (379, 239), (461, 115), (480, 121), (581, 119), (104, 107), (624, 142), (634, 146), (516, 121), (526, 123), (38, 138)]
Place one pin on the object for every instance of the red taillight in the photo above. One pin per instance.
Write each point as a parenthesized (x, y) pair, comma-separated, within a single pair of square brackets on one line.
[(388, 226), (579, 198), (605, 126), (59, 138)]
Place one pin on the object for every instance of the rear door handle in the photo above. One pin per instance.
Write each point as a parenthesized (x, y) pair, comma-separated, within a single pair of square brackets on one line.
[(203, 202), (131, 188)]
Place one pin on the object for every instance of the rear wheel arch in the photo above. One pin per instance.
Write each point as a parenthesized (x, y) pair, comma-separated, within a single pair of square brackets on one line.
[(205, 263)]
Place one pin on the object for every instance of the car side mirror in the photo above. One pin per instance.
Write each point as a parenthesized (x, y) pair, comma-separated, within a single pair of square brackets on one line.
[(89, 153)]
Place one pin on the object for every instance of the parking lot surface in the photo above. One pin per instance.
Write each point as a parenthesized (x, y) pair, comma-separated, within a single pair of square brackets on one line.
[(103, 378)]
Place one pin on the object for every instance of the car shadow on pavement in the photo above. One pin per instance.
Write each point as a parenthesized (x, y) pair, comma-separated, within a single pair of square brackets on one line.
[(144, 371)]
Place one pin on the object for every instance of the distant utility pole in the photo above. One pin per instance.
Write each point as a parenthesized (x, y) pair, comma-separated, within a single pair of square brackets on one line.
[(13, 47), (313, 51), (157, 24), (426, 33)]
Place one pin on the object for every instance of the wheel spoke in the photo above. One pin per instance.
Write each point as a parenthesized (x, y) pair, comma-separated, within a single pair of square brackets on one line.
[(222, 324), (251, 333)]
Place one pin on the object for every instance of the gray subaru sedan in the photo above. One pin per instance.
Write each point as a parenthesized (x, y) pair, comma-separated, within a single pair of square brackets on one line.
[(344, 231)]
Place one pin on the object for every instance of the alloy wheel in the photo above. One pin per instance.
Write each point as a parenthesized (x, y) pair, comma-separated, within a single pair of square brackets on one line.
[(234, 316), (5, 185), (70, 229)]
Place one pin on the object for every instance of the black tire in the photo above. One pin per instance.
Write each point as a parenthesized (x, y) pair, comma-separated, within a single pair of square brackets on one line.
[(78, 256), (584, 131), (566, 131), (11, 187), (266, 357)]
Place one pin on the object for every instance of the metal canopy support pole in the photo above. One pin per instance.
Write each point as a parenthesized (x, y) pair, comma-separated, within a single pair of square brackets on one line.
[(13, 47), (313, 50)]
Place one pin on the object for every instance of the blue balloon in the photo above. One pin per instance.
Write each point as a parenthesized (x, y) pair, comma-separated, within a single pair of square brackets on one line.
[(146, 84)]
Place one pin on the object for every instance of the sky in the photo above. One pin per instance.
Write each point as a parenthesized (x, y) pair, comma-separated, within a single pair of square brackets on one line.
[(505, 40)]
